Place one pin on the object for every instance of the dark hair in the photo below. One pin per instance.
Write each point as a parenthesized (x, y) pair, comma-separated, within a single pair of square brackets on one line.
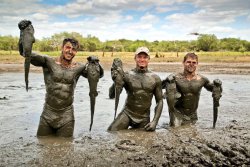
[(191, 55), (73, 41)]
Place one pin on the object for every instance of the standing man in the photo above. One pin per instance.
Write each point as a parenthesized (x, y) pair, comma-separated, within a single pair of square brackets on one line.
[(141, 85), (60, 76), (183, 92)]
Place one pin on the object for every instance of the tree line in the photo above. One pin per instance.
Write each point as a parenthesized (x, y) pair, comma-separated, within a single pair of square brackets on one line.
[(204, 42)]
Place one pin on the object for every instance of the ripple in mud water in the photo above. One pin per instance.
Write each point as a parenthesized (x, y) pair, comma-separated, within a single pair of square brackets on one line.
[(227, 145)]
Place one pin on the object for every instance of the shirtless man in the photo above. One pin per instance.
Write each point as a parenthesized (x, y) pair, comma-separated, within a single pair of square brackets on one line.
[(183, 92), (141, 85), (60, 76)]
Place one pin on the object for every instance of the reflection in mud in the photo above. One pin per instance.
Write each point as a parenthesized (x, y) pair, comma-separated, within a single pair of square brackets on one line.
[(227, 145)]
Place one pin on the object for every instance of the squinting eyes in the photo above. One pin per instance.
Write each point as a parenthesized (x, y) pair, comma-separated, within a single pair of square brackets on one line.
[(142, 57), (190, 62), (68, 47)]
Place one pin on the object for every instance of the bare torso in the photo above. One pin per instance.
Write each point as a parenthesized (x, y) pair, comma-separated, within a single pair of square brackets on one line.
[(190, 92), (60, 82), (140, 88)]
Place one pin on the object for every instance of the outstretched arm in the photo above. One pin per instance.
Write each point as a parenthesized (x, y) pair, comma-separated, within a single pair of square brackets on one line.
[(208, 85), (38, 59), (159, 105)]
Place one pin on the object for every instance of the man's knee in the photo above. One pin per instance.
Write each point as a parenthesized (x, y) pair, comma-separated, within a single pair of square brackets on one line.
[(112, 127), (120, 123)]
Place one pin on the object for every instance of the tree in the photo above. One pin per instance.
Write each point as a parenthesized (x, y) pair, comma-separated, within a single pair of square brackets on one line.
[(207, 42), (193, 46), (92, 43), (8, 43)]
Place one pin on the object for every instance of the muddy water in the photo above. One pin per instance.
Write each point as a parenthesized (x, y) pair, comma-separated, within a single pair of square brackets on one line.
[(228, 144)]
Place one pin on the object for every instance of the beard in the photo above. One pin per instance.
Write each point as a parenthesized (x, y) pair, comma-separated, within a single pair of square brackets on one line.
[(190, 69)]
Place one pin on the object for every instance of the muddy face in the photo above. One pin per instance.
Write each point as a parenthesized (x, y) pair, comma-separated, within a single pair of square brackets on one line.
[(142, 60), (190, 65), (68, 51)]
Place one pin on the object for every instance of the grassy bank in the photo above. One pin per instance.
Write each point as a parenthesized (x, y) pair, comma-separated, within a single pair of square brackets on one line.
[(206, 57)]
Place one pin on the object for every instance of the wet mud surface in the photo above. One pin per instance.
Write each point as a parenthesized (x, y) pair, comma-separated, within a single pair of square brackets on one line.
[(218, 68), (191, 145)]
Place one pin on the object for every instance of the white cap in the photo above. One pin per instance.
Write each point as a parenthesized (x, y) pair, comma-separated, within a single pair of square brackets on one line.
[(142, 49)]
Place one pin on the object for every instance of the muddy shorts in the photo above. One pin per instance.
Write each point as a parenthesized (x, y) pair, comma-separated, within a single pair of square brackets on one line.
[(178, 118), (57, 118), (135, 118)]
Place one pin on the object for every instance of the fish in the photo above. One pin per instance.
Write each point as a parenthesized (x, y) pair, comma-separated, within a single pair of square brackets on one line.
[(93, 75), (25, 44), (118, 81), (215, 114), (172, 96), (216, 94)]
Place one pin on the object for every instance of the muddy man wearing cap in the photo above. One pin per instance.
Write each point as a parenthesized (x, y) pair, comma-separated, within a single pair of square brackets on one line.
[(141, 85)]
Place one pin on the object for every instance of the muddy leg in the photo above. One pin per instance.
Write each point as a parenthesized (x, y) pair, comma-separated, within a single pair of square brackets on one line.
[(120, 123), (67, 130), (44, 129)]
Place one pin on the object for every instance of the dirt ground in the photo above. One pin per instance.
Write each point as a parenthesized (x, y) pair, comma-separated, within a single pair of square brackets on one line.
[(171, 67), (185, 146), (192, 145)]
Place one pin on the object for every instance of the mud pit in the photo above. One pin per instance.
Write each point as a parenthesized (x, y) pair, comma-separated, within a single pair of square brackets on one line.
[(199, 145)]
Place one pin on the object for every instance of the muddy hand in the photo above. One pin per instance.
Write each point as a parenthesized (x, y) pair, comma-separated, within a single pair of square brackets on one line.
[(25, 45), (118, 75), (150, 126), (93, 75)]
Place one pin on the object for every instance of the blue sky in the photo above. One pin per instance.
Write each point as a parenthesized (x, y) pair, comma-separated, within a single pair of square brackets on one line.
[(142, 19)]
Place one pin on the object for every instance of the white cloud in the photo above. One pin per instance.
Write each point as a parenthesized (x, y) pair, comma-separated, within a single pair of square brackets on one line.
[(248, 18), (129, 18), (114, 19), (163, 9), (202, 17), (224, 5), (149, 18), (40, 17)]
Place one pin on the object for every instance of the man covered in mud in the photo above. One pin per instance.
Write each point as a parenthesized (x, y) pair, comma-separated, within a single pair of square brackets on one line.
[(141, 85), (183, 92), (60, 76)]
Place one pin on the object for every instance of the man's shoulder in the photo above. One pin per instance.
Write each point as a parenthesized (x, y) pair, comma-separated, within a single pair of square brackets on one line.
[(202, 76), (148, 73), (80, 64), (179, 74), (176, 75), (34, 54), (131, 71), (154, 75)]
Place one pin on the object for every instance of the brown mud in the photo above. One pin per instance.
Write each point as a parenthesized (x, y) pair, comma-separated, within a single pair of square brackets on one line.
[(219, 68), (191, 145)]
